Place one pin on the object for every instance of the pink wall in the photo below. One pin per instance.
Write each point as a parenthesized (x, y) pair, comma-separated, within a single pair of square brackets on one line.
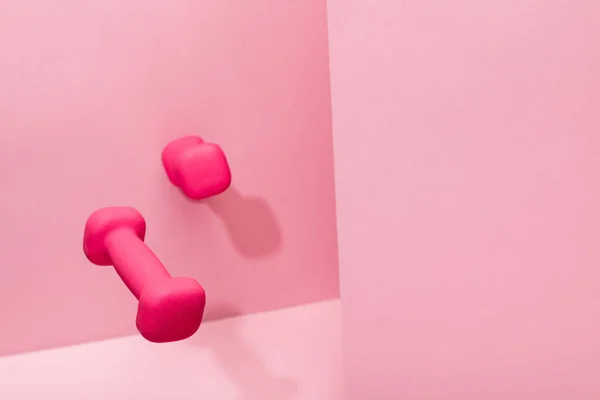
[(467, 156), (90, 93)]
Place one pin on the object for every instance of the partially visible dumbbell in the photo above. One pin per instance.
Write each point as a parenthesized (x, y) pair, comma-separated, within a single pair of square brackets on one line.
[(198, 168), (169, 309)]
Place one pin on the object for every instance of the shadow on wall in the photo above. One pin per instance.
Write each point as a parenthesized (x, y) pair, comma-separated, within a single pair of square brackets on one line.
[(242, 365), (250, 222)]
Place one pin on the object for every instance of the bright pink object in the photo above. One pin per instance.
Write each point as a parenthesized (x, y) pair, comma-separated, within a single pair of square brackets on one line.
[(169, 309), (199, 168)]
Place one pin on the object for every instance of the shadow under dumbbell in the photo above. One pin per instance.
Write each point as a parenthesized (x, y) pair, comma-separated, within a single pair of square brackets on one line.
[(241, 364), (250, 221)]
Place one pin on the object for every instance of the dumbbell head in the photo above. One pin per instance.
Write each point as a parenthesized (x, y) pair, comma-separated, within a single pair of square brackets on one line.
[(199, 168), (104, 221), (171, 310)]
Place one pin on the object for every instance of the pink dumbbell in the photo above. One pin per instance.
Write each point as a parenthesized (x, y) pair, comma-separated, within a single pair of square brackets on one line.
[(198, 168), (169, 309)]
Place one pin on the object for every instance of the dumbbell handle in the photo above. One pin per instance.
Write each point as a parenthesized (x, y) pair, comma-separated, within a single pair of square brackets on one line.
[(135, 263)]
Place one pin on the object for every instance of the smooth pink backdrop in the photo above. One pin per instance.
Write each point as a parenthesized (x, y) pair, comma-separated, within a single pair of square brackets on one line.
[(90, 92), (467, 157)]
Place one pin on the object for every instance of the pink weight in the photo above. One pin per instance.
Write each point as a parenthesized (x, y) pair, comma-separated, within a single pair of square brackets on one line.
[(198, 168), (169, 309)]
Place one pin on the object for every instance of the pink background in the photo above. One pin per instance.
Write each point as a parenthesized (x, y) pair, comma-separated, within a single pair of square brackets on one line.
[(467, 157), (90, 94)]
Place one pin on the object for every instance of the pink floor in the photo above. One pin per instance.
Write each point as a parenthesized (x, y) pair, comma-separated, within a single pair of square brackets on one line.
[(279, 355)]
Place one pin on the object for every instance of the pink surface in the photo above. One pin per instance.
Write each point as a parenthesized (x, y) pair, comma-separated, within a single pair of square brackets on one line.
[(91, 94), (467, 157), (198, 168), (170, 308), (292, 354)]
